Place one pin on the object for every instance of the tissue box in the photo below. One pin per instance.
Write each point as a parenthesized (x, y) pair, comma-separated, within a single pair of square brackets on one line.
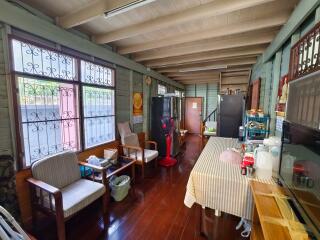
[(111, 155)]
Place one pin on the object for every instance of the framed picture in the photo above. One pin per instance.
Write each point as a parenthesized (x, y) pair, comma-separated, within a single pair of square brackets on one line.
[(137, 107)]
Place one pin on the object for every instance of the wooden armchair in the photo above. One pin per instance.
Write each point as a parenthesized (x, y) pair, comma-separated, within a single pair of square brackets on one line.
[(132, 148), (58, 190)]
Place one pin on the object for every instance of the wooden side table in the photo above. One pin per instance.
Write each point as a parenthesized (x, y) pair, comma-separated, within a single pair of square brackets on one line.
[(105, 173)]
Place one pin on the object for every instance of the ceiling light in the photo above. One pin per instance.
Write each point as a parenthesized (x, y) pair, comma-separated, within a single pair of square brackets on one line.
[(127, 7), (202, 68)]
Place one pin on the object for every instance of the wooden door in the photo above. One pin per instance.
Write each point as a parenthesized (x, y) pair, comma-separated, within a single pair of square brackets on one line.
[(255, 97), (193, 114)]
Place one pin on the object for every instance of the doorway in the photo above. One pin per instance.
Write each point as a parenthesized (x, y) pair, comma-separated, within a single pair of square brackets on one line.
[(193, 114)]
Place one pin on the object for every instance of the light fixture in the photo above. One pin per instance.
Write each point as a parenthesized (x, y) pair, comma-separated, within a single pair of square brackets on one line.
[(196, 69), (127, 7)]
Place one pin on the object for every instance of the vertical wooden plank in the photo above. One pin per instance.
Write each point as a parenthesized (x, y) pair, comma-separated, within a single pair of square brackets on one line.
[(131, 95), (267, 90), (122, 94), (7, 145), (146, 107), (201, 91), (274, 93)]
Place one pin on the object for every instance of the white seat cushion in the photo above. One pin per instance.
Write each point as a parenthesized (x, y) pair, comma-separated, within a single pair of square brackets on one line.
[(78, 195), (211, 124), (149, 155), (207, 133)]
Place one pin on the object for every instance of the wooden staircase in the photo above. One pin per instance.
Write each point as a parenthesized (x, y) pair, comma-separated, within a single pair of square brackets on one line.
[(208, 123)]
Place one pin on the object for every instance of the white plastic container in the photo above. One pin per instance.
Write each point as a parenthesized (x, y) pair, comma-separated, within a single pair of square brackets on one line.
[(264, 165), (274, 145)]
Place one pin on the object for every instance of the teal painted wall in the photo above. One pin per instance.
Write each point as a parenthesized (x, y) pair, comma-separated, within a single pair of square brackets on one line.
[(6, 147), (272, 70), (123, 94), (209, 93)]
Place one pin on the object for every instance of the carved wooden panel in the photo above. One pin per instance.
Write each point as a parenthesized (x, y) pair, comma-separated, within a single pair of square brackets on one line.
[(304, 58)]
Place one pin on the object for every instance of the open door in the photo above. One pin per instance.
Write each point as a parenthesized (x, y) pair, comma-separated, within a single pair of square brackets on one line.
[(193, 114)]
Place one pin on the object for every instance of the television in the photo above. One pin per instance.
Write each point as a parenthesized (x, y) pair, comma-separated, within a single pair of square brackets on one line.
[(300, 172)]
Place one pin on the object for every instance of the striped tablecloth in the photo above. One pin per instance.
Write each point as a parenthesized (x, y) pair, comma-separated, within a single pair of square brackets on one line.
[(219, 185)]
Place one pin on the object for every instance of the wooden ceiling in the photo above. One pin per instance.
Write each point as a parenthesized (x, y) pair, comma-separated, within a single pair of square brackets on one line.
[(190, 41)]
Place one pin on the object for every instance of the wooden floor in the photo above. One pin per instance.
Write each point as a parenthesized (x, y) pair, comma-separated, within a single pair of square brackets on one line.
[(155, 211)]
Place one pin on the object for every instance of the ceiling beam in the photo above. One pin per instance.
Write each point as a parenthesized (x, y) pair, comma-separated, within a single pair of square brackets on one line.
[(298, 16), (235, 69), (40, 27), (221, 31), (206, 56), (90, 11), (211, 73), (193, 77), (195, 74), (235, 80), (215, 64), (238, 74), (234, 42), (198, 82), (191, 14)]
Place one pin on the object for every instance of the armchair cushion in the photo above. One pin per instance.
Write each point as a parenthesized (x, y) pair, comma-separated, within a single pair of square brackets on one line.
[(131, 140), (210, 128), (149, 155), (58, 170), (124, 129), (211, 124), (78, 195)]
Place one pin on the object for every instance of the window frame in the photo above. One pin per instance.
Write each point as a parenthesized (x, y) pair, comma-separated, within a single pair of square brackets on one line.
[(179, 95), (162, 85), (18, 131)]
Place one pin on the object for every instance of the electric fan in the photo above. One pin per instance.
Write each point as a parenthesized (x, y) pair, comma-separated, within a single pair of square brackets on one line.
[(167, 126)]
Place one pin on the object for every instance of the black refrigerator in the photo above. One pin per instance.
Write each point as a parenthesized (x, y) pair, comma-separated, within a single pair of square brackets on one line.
[(230, 115), (165, 107)]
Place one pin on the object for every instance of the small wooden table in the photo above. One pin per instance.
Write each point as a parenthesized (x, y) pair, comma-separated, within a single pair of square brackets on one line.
[(123, 163), (104, 176)]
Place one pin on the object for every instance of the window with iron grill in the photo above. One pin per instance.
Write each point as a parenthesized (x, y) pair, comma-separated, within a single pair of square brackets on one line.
[(162, 90), (64, 103)]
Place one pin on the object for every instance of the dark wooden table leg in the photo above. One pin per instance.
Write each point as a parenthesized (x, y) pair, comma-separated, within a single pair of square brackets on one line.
[(133, 179)]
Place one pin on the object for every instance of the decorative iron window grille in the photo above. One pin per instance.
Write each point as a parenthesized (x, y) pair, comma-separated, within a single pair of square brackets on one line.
[(162, 90), (99, 117), (49, 85), (96, 74), (304, 58), (49, 117), (34, 60)]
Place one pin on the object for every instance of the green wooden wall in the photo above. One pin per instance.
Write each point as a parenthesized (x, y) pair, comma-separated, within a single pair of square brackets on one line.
[(271, 70), (123, 94), (6, 147)]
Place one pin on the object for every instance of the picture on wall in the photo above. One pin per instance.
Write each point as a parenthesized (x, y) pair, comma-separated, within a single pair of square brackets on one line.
[(137, 107), (282, 96)]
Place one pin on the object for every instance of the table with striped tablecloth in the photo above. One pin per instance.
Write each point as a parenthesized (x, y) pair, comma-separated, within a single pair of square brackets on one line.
[(219, 185)]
